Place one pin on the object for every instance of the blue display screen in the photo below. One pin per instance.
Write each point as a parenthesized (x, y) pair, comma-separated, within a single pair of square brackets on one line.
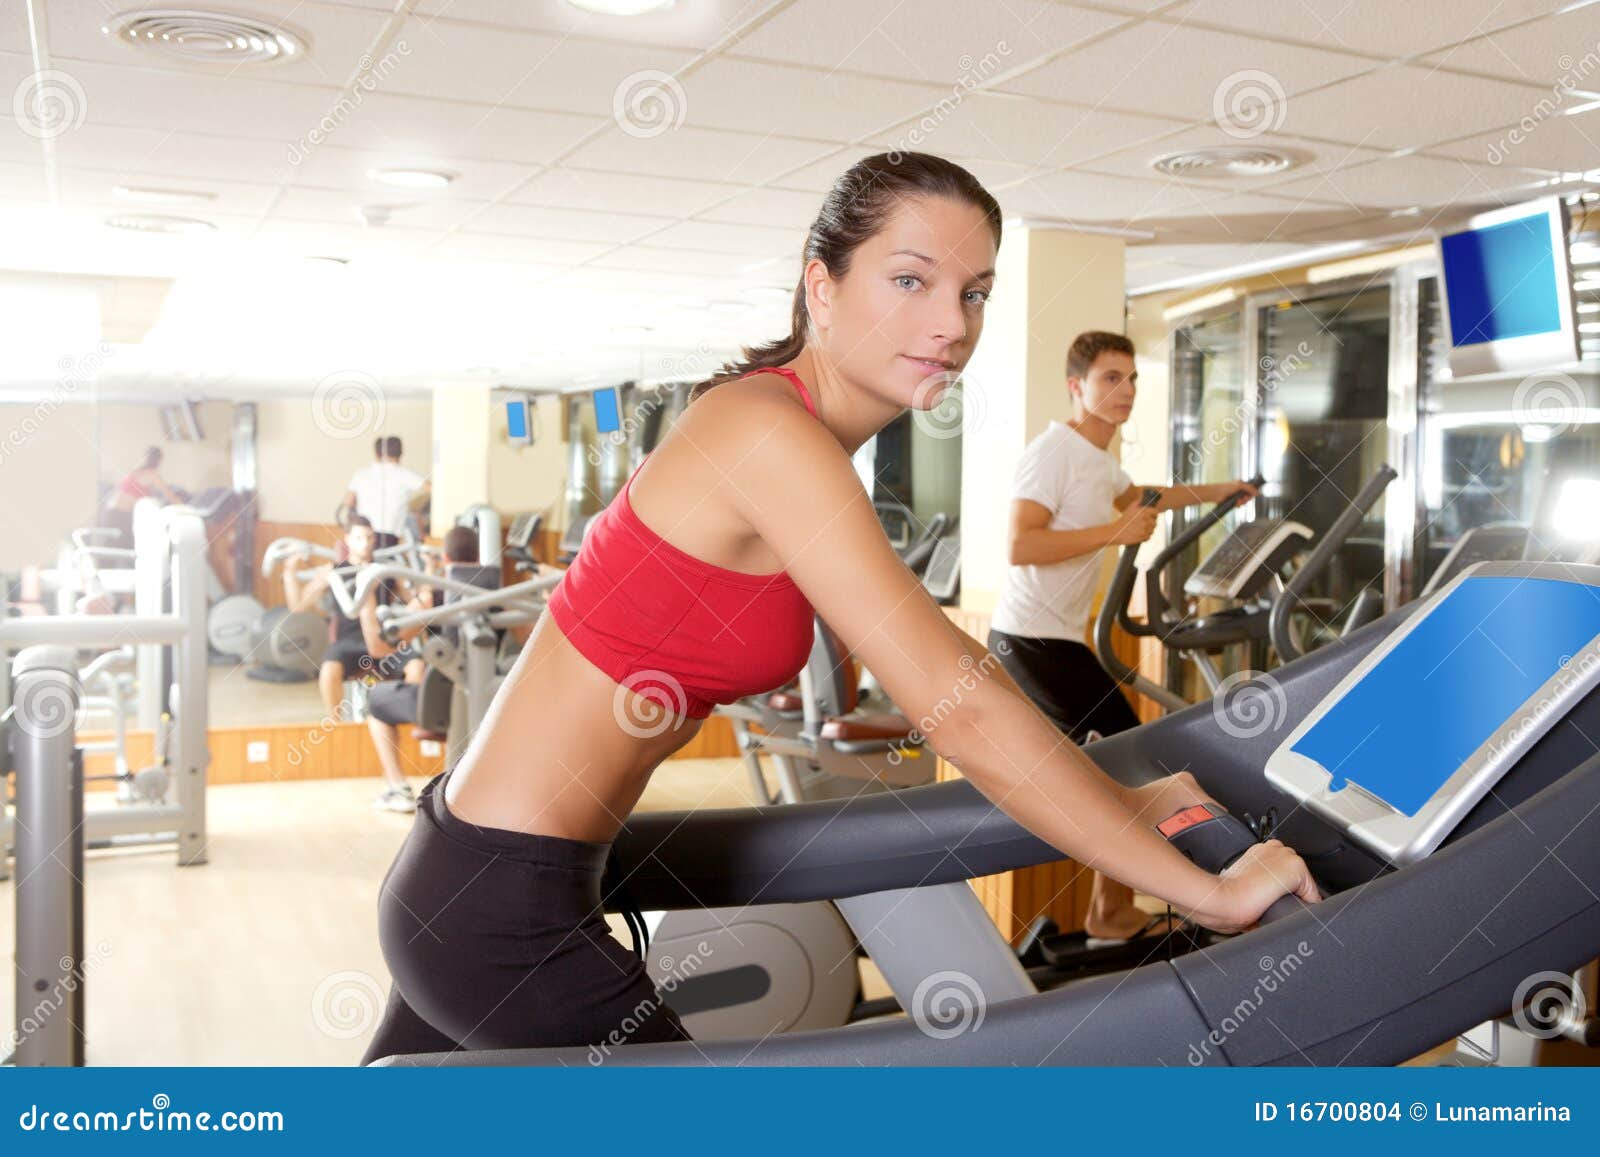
[(1500, 281), (607, 412), (517, 419), (1454, 680)]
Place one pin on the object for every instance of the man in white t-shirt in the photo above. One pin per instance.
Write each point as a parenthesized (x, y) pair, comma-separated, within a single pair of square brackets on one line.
[(384, 490), (1071, 499)]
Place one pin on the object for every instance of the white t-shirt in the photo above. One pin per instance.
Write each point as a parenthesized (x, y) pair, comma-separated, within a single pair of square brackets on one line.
[(383, 494), (1076, 481)]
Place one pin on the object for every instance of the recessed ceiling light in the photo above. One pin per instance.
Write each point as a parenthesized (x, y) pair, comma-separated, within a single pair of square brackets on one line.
[(158, 223), (621, 7), (150, 195), (1226, 161), (205, 37), (412, 178)]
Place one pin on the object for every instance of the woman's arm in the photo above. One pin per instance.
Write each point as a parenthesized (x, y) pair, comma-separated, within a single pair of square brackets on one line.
[(834, 548)]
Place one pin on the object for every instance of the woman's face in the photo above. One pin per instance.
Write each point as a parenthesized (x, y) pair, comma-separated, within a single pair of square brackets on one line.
[(905, 318)]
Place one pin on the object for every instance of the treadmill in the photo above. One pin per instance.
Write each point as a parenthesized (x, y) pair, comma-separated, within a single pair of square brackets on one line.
[(1433, 769)]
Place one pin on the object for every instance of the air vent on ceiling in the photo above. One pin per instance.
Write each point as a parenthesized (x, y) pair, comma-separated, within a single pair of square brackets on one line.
[(206, 37), (1225, 161), (158, 223)]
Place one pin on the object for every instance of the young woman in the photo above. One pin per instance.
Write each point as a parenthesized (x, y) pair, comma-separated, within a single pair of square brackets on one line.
[(696, 586), (142, 481)]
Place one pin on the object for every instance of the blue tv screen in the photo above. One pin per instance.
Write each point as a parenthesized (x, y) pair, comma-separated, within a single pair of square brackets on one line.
[(1501, 281), (607, 411)]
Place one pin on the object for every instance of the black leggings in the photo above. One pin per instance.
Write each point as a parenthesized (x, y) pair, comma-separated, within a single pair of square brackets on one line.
[(497, 939), (1067, 683)]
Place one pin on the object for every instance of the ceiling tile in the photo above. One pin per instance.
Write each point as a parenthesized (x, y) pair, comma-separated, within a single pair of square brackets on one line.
[(337, 38), (620, 192), (496, 66), (330, 167), (705, 154), (1401, 182), (740, 94), (564, 224), (784, 208), (1202, 74), (942, 42), (1438, 106), (449, 129), (1560, 52), (206, 103), (1373, 26), (1317, 156), (497, 247), (343, 206), (721, 237), (1557, 143), (1021, 131), (697, 25)]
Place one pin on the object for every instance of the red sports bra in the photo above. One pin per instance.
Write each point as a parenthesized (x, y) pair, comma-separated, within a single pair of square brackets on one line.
[(673, 628)]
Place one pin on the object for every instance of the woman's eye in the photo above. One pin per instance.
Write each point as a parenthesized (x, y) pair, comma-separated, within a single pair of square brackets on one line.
[(905, 277), (978, 296)]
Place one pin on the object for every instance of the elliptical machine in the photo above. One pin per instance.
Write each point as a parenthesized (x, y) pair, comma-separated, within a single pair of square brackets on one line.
[(1247, 570)]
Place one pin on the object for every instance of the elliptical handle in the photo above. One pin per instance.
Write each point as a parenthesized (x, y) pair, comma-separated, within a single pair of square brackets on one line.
[(1321, 555)]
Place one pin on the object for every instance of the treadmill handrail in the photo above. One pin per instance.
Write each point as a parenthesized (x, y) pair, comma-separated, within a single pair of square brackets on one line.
[(1343, 527), (1155, 601)]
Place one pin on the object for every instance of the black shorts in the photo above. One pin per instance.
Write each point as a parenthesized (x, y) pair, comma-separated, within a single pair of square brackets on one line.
[(497, 939), (1067, 683), (394, 703), (350, 652)]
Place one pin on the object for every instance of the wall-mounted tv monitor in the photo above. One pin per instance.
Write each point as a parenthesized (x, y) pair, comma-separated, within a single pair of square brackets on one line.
[(1507, 282), (607, 410), (519, 422)]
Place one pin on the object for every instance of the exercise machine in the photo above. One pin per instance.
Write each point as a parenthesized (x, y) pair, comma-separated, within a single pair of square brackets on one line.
[(1245, 570), (1397, 958), (168, 634)]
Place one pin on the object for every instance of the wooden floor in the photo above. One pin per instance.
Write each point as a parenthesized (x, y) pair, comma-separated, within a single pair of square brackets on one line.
[(267, 955)]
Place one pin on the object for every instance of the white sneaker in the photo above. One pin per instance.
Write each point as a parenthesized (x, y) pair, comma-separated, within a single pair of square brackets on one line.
[(400, 799)]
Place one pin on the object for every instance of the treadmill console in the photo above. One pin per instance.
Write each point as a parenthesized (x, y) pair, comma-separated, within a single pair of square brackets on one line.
[(1428, 722), (1247, 560)]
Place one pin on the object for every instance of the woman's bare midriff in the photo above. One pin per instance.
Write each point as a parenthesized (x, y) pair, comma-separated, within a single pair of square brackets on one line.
[(564, 751)]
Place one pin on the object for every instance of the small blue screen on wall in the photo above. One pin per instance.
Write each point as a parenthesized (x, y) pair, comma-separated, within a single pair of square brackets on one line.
[(1500, 281), (607, 416), (517, 419)]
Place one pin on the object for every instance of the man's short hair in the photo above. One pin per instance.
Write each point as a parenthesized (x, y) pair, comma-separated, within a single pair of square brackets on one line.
[(461, 544), (359, 520), (391, 447), (377, 446), (1091, 344)]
